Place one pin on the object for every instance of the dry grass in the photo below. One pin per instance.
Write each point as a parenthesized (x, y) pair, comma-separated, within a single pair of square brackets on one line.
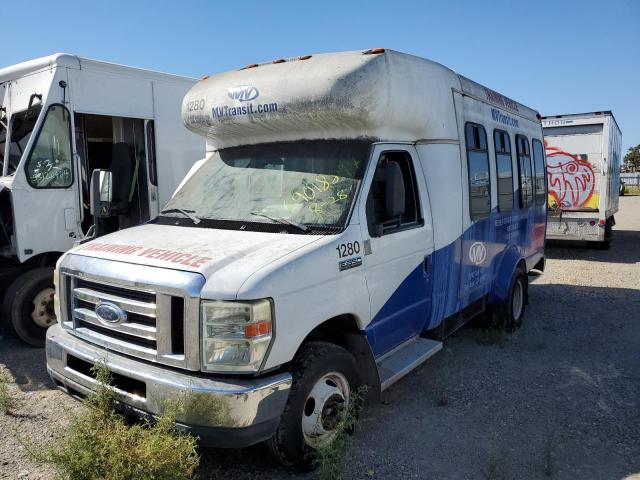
[(7, 402), (100, 444), (329, 458)]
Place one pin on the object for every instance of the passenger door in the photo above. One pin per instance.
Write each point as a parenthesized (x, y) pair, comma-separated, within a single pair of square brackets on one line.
[(397, 245)]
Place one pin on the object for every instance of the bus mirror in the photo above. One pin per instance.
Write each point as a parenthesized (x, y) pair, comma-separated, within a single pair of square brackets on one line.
[(100, 201)]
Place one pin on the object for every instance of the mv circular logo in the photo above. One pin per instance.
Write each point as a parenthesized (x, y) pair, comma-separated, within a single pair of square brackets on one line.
[(477, 253), (243, 93), (110, 313)]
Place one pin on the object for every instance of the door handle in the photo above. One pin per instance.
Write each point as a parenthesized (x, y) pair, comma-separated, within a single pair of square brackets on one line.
[(425, 264)]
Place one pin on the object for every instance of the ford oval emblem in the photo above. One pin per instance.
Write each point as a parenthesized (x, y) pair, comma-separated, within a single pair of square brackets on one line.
[(110, 313), (244, 93)]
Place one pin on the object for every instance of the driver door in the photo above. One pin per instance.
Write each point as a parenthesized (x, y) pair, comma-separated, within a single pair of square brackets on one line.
[(44, 193)]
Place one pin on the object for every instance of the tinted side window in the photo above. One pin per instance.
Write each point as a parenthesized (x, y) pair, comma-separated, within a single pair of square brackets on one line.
[(538, 160), (478, 165), (504, 169), (385, 214), (525, 177)]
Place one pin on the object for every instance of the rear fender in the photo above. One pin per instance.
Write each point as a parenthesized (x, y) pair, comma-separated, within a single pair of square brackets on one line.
[(511, 257)]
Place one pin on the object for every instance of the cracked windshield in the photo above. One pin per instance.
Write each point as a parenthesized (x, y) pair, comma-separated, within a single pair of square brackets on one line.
[(299, 184)]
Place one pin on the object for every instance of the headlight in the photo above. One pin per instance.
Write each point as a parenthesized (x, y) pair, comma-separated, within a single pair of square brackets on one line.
[(235, 335)]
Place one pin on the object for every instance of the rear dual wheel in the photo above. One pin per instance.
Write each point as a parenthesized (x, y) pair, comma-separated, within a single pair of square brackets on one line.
[(511, 312)]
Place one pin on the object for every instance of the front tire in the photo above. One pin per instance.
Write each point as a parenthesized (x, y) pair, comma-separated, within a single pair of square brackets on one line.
[(28, 306), (324, 377)]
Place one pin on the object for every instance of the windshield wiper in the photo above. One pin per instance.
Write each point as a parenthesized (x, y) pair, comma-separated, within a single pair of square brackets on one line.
[(186, 213), (281, 220)]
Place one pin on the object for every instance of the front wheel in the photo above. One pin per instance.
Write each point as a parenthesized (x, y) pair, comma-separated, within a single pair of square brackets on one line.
[(324, 378), (28, 305)]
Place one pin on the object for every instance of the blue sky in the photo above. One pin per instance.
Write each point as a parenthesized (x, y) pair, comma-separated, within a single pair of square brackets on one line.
[(555, 56)]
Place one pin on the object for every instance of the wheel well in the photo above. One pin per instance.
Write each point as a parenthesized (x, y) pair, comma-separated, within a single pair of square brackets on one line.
[(47, 259), (343, 330)]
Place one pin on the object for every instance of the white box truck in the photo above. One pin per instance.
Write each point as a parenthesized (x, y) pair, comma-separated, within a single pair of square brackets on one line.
[(583, 155), (354, 209), (61, 118)]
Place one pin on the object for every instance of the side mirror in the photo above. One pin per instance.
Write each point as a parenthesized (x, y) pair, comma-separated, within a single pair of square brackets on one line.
[(100, 201)]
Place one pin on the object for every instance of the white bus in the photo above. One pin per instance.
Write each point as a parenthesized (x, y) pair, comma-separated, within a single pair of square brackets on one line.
[(354, 209)]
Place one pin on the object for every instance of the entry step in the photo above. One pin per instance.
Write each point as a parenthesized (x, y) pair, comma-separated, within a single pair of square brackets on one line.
[(397, 363)]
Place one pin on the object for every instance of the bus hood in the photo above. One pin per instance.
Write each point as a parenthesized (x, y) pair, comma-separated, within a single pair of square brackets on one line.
[(229, 255)]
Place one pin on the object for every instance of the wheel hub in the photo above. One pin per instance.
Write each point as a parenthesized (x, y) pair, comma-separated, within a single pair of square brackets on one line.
[(42, 312), (324, 409)]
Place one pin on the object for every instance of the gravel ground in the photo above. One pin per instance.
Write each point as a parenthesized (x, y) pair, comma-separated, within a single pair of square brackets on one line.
[(558, 399)]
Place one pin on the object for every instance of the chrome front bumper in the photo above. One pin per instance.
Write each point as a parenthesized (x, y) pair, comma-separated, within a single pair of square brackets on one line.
[(222, 412)]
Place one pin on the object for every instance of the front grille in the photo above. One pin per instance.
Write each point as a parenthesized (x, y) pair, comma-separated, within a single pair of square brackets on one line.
[(139, 333), (161, 309)]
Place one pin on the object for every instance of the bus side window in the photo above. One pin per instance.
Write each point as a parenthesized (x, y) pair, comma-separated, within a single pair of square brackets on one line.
[(478, 169), (541, 177), (524, 171), (504, 169)]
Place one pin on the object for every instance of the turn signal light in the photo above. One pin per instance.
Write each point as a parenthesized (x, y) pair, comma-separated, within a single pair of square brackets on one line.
[(257, 329)]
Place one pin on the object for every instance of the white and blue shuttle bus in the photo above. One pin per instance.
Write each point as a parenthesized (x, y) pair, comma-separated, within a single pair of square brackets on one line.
[(352, 211)]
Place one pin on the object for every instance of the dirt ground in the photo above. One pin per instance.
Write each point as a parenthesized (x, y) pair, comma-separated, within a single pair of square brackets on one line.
[(558, 399)]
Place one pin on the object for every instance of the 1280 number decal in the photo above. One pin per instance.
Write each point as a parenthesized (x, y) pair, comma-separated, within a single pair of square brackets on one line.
[(348, 249)]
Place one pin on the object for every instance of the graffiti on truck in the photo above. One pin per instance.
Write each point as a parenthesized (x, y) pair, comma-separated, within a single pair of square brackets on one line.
[(571, 181)]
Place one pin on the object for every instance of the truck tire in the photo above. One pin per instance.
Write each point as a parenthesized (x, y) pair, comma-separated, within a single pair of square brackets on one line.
[(28, 306), (511, 312), (324, 376)]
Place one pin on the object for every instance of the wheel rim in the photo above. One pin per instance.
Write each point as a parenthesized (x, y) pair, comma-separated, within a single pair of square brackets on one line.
[(324, 409), (42, 312), (518, 300)]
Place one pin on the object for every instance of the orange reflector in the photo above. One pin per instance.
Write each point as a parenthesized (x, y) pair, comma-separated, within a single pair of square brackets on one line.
[(253, 65), (280, 60), (257, 329), (374, 51), (205, 77), (304, 57)]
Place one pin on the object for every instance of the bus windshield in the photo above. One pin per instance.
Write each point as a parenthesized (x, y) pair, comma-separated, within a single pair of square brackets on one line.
[(301, 184)]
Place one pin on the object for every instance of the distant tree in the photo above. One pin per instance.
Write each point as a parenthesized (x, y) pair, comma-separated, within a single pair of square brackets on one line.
[(632, 158)]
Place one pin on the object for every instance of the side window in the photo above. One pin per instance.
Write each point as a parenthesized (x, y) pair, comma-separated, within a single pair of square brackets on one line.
[(525, 178), (504, 169), (478, 165), (541, 177), (50, 163), (393, 202)]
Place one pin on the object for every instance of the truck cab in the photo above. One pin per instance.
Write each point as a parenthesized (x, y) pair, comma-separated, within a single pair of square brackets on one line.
[(61, 118), (354, 209)]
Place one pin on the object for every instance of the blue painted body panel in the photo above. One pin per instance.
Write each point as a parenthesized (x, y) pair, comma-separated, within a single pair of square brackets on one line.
[(453, 282)]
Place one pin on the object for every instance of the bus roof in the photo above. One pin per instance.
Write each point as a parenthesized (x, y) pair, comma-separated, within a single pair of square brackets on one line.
[(379, 94), (18, 70)]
